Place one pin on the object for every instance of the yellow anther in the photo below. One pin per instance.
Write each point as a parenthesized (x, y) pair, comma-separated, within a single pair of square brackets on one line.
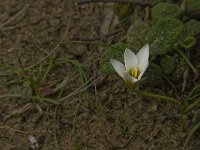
[(134, 73)]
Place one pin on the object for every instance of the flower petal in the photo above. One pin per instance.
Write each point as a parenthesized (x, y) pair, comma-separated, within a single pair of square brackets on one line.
[(143, 67), (131, 79), (130, 59), (119, 68), (143, 54)]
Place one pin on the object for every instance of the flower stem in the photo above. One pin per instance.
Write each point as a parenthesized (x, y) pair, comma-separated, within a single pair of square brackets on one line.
[(157, 96), (186, 60)]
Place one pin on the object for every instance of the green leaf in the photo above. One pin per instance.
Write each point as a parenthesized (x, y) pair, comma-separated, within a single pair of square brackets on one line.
[(154, 75), (193, 6), (167, 64), (61, 85), (114, 52), (163, 35), (191, 28), (137, 32), (189, 42), (164, 10)]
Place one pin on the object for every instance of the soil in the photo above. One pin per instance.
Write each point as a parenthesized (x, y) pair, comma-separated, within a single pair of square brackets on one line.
[(104, 117)]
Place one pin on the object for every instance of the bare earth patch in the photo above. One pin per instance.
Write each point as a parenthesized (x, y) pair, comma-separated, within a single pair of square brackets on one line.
[(106, 116)]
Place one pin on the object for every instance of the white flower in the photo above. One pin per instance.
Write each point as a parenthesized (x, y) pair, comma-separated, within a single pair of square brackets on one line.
[(135, 65)]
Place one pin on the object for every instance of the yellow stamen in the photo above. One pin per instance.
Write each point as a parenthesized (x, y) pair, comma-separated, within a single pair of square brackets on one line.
[(134, 73)]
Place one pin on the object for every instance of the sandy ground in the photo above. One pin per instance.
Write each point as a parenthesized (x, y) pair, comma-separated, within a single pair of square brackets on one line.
[(105, 117)]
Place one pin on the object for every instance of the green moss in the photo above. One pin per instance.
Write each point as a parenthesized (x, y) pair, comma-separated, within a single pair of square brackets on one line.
[(123, 10), (163, 35), (114, 52), (164, 10), (167, 64), (136, 33), (193, 6)]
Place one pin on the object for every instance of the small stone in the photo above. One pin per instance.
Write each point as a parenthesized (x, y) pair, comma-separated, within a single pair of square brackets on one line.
[(78, 50), (33, 142)]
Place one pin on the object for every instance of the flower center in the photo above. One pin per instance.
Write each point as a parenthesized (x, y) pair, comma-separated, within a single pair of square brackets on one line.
[(134, 73)]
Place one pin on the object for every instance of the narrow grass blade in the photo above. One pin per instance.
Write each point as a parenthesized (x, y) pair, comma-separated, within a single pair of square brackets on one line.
[(191, 133)]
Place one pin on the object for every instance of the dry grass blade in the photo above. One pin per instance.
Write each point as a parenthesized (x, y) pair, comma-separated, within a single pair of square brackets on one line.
[(78, 90), (12, 129), (14, 17)]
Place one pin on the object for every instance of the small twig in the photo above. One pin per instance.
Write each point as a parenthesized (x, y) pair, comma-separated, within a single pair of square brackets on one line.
[(14, 17), (3, 127), (24, 109), (79, 90), (55, 128), (8, 28), (95, 87), (137, 2), (30, 97)]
